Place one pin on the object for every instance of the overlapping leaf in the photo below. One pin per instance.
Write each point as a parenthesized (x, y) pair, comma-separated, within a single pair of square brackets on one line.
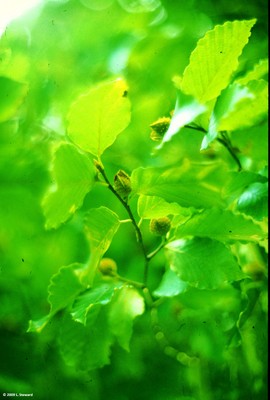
[(244, 110), (101, 224), (225, 105), (156, 207), (178, 185), (237, 182), (86, 347), (203, 262), (215, 59), (258, 72), (97, 117), (223, 225), (170, 285), (73, 176), (64, 286), (98, 295), (187, 109), (254, 200), (107, 312), (127, 305)]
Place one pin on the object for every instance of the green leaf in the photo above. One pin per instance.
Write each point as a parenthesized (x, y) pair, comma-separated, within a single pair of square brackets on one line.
[(64, 287), (215, 59), (171, 285), (101, 224), (97, 117), (203, 262), (186, 110), (39, 324), (126, 306), (221, 225), (12, 96), (99, 295), (73, 175), (246, 110), (156, 207), (239, 181), (181, 185), (86, 347), (258, 72), (254, 200), (225, 104)]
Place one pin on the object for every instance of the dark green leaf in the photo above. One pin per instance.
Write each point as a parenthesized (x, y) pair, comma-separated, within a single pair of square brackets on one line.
[(254, 200), (65, 286), (98, 295), (86, 347)]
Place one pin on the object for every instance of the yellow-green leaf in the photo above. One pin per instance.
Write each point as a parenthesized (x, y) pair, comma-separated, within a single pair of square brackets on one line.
[(97, 117), (73, 175), (223, 225), (215, 59)]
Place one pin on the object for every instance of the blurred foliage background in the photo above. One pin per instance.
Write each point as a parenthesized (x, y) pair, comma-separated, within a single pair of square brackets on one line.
[(56, 51)]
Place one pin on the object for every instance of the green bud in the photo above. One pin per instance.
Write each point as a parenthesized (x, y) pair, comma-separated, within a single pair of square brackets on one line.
[(122, 184), (160, 226), (107, 266), (159, 128)]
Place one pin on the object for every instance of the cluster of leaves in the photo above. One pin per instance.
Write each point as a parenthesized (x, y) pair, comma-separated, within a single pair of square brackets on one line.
[(213, 211), (188, 263)]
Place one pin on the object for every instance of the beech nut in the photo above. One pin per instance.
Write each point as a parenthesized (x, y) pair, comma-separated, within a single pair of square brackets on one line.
[(108, 266), (160, 226)]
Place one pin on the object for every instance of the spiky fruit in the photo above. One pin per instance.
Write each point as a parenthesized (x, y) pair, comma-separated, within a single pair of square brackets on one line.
[(108, 266), (160, 226), (122, 184), (159, 128)]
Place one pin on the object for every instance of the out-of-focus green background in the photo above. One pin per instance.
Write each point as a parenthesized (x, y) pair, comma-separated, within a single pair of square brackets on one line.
[(57, 51)]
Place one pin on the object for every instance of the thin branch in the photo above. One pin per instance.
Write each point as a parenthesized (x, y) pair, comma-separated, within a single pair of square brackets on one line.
[(131, 282), (131, 216), (224, 139), (154, 252), (196, 128)]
